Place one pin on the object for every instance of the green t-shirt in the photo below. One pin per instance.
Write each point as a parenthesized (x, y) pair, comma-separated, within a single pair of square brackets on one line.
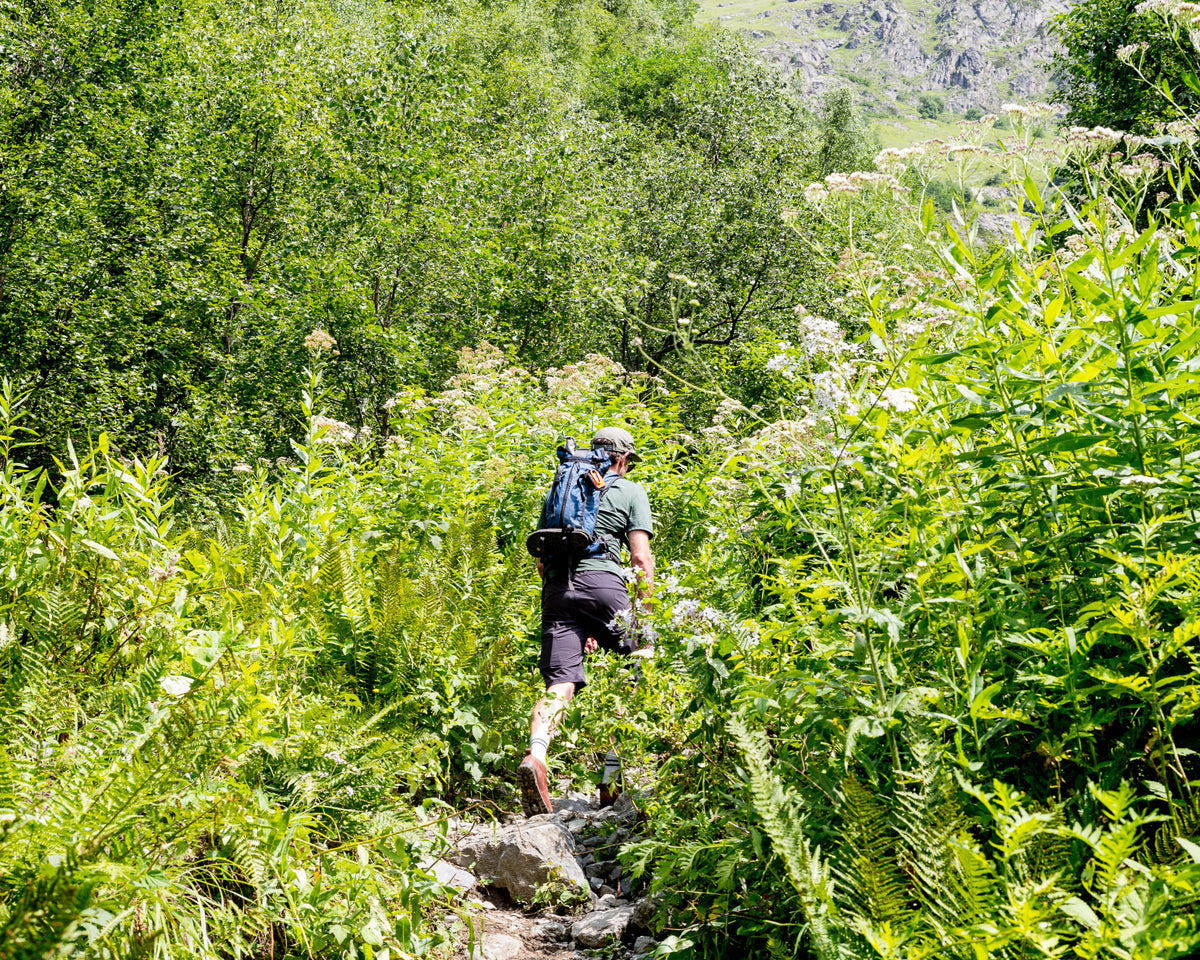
[(625, 507)]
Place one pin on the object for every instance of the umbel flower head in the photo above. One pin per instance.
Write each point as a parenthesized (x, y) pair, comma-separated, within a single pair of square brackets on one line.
[(320, 342)]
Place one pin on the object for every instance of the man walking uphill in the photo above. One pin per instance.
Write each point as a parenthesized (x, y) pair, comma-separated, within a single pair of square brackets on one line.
[(584, 602)]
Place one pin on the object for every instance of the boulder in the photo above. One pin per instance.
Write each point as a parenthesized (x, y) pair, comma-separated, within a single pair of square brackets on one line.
[(643, 912), (522, 857), (499, 946), (449, 875), (550, 930), (597, 929)]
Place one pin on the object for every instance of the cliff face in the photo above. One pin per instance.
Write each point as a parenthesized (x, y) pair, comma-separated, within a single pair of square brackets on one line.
[(972, 53)]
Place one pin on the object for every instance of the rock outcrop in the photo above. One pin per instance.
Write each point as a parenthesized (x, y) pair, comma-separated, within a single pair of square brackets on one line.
[(573, 848), (523, 857), (979, 53)]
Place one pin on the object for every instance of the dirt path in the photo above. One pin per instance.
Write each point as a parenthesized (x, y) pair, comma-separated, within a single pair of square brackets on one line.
[(613, 920)]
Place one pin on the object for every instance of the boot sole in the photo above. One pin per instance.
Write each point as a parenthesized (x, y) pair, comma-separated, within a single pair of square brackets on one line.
[(532, 801)]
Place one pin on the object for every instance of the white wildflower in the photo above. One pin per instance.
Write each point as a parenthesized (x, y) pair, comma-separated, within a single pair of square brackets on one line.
[(175, 685), (900, 399), (1139, 479), (1126, 53), (320, 342)]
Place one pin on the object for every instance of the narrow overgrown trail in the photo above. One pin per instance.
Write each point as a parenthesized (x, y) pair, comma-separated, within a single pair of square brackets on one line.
[(547, 886)]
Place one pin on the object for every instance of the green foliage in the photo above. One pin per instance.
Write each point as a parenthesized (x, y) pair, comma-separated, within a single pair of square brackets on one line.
[(1098, 88), (931, 106), (845, 144), (188, 190)]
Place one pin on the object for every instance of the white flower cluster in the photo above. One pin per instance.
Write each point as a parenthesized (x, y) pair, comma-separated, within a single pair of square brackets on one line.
[(1126, 53), (1108, 228), (629, 625), (576, 381), (900, 399), (966, 151), (728, 411), (786, 363), (831, 390), (1183, 129), (1161, 7), (329, 430), (1141, 167), (820, 336), (849, 184), (780, 439), (896, 160), (320, 342), (485, 370), (1027, 111), (690, 612), (1090, 140), (167, 571)]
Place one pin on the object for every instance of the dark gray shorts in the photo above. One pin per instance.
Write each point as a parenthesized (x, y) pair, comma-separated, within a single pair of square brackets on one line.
[(570, 616)]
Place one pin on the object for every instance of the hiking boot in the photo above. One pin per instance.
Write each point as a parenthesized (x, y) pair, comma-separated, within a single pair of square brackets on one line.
[(535, 792), (609, 792)]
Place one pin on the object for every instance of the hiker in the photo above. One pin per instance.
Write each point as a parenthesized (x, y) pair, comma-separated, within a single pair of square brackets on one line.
[(585, 605)]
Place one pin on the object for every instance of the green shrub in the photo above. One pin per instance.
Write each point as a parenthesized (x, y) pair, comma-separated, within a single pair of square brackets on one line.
[(931, 106)]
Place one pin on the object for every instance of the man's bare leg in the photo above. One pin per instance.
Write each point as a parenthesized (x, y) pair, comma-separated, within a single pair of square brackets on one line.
[(532, 776), (547, 714)]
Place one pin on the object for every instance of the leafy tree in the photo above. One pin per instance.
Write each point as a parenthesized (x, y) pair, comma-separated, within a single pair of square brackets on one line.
[(845, 140), (1095, 86), (931, 107)]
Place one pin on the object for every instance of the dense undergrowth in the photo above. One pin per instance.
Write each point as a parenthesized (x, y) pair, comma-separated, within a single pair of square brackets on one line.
[(926, 614)]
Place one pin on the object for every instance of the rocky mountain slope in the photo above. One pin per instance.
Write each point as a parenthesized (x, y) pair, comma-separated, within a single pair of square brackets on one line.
[(980, 53)]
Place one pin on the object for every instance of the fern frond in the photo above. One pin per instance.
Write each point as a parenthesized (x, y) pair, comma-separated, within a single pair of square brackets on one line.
[(780, 819)]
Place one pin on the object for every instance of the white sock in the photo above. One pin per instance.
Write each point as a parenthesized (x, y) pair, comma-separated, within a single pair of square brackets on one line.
[(538, 745)]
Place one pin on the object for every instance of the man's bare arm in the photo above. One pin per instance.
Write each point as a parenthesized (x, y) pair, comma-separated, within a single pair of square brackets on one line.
[(643, 564)]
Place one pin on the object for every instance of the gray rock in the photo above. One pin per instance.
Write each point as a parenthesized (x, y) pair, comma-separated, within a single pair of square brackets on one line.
[(522, 857), (499, 946), (576, 825), (597, 929), (624, 805), (614, 875), (449, 875), (607, 891), (550, 930), (576, 803), (644, 945), (600, 868), (595, 883), (607, 902), (643, 911)]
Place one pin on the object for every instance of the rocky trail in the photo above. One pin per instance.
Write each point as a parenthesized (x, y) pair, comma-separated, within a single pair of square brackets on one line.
[(548, 886)]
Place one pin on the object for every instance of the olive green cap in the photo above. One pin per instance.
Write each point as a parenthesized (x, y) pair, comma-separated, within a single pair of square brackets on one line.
[(618, 440)]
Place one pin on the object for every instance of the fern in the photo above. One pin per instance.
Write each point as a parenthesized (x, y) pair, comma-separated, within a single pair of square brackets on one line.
[(809, 876), (868, 869)]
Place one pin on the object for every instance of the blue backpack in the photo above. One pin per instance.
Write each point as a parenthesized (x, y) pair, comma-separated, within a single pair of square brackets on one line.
[(567, 529)]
